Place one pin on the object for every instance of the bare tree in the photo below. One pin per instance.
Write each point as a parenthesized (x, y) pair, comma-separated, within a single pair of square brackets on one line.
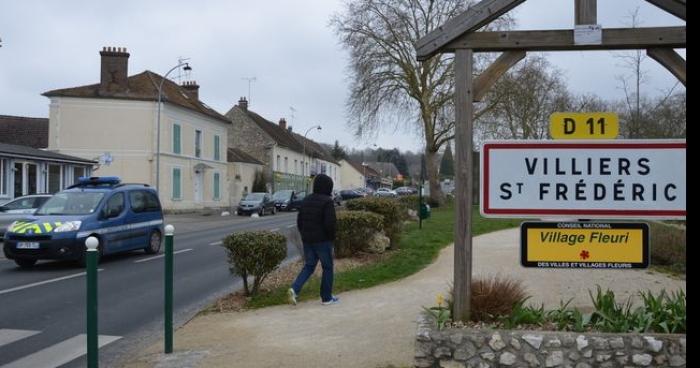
[(526, 96), (389, 85)]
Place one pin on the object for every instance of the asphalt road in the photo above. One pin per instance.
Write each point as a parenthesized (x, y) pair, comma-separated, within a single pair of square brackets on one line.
[(42, 310)]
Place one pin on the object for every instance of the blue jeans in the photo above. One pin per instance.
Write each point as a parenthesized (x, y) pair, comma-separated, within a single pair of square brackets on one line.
[(312, 254)]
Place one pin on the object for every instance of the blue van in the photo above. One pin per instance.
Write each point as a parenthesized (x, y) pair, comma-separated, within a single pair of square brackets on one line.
[(122, 216)]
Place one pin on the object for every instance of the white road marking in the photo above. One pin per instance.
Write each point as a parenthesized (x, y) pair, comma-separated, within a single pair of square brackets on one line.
[(290, 226), (61, 353), (8, 336), (162, 255), (275, 229), (217, 243), (44, 282)]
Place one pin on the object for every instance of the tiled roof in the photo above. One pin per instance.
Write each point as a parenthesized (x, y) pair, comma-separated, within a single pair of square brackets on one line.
[(282, 136), (236, 155), (29, 152), (143, 87), (365, 170), (387, 168), (24, 131), (314, 149)]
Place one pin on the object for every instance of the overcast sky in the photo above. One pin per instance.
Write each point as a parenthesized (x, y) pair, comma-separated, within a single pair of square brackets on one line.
[(286, 45)]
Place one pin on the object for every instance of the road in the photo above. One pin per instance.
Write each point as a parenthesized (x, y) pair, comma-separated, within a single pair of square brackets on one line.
[(42, 310)]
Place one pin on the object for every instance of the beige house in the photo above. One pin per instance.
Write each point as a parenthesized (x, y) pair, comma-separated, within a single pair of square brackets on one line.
[(115, 122), (241, 174), (352, 175)]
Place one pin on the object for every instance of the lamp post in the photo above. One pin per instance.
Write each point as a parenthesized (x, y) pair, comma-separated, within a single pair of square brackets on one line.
[(160, 92), (304, 146)]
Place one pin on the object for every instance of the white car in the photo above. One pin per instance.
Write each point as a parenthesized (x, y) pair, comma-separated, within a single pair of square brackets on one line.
[(25, 205), (385, 192)]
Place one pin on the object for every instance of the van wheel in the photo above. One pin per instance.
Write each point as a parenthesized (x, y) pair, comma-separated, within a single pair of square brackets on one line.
[(154, 242), (25, 263)]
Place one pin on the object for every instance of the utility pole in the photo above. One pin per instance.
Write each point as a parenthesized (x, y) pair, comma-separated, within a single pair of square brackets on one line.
[(250, 81)]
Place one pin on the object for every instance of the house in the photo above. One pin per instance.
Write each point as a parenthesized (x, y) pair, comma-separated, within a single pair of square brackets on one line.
[(24, 131), (116, 122), (289, 159), (241, 173), (353, 175), (387, 172), (25, 170)]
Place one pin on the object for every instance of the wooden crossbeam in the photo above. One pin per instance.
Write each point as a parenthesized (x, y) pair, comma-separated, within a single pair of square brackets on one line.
[(476, 17), (563, 40), (488, 78), (675, 7), (670, 59)]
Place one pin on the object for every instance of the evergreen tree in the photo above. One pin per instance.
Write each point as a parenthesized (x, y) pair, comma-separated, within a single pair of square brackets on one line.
[(260, 182), (338, 152), (447, 165)]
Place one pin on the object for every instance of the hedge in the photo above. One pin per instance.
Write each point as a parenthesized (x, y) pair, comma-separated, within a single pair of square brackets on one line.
[(353, 230), (392, 212), (254, 253)]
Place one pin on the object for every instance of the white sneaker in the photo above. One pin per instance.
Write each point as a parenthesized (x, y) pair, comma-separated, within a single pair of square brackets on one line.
[(334, 300), (292, 296)]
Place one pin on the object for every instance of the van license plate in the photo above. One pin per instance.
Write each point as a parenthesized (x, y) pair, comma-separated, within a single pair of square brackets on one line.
[(28, 245)]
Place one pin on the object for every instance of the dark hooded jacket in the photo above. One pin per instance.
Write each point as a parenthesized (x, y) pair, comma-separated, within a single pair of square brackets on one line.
[(316, 218)]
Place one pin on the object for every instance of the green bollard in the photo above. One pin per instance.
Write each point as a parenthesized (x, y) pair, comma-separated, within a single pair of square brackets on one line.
[(91, 269), (169, 233)]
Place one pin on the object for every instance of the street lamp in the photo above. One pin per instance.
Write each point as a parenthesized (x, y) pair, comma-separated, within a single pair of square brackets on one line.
[(187, 67), (304, 145)]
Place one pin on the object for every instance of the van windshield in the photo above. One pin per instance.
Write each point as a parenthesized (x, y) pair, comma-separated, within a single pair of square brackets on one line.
[(71, 203)]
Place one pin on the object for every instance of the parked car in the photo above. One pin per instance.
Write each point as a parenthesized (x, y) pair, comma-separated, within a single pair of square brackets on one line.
[(385, 192), (337, 198), (350, 194), (19, 208), (122, 217), (406, 191), (257, 202), (25, 204), (283, 199), (296, 201)]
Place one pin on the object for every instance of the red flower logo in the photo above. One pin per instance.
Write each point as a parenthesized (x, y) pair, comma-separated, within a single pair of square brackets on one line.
[(584, 254)]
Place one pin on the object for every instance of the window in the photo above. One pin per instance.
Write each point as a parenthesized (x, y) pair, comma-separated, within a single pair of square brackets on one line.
[(217, 194), (77, 173), (177, 146), (177, 183), (286, 165), (198, 143), (115, 205), (4, 174), (143, 201), (54, 179), (279, 163), (217, 156), (296, 167), (32, 178)]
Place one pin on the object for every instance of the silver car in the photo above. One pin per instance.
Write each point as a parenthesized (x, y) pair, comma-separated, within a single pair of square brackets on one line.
[(18, 209), (385, 192)]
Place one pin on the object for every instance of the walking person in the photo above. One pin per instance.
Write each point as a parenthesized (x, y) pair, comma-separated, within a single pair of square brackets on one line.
[(316, 224)]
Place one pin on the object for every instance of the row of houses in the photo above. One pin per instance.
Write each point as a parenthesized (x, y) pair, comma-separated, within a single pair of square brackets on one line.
[(196, 157)]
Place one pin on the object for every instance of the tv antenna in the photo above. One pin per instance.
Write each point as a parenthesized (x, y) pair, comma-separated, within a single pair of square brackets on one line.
[(250, 81), (187, 75), (293, 110)]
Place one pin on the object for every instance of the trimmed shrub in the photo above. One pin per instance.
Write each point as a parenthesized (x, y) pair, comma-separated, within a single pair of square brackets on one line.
[(392, 212), (409, 202), (353, 230), (254, 253), (668, 246)]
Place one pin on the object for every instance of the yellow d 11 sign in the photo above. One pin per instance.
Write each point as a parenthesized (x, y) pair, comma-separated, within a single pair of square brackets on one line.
[(584, 245), (584, 125)]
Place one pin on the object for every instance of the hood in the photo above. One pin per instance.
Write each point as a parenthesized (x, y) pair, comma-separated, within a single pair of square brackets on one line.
[(323, 184), (254, 203), (43, 224)]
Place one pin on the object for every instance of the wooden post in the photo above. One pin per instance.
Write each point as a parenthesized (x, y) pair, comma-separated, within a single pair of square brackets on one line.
[(464, 115), (670, 59), (586, 12)]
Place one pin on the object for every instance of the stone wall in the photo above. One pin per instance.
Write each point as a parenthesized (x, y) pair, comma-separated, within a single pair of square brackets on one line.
[(483, 348)]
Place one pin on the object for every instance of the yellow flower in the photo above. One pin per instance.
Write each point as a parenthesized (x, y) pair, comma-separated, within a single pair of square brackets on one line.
[(439, 300)]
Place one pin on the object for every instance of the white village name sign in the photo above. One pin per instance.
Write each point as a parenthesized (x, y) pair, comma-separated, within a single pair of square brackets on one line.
[(584, 179)]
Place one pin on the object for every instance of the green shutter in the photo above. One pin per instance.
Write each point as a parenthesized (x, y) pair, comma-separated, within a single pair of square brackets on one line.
[(176, 184), (217, 193), (216, 148), (176, 139)]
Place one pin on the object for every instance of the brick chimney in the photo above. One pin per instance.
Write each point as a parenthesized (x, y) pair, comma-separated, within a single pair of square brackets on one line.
[(192, 89), (283, 124), (114, 69), (243, 104)]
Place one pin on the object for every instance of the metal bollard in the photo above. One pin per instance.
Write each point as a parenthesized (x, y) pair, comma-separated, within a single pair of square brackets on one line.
[(91, 269), (169, 234)]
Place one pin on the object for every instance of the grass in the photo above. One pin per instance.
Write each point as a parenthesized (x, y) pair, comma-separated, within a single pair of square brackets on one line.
[(418, 248)]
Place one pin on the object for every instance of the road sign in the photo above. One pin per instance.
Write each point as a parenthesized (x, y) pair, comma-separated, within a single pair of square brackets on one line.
[(585, 125), (584, 245), (587, 179)]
